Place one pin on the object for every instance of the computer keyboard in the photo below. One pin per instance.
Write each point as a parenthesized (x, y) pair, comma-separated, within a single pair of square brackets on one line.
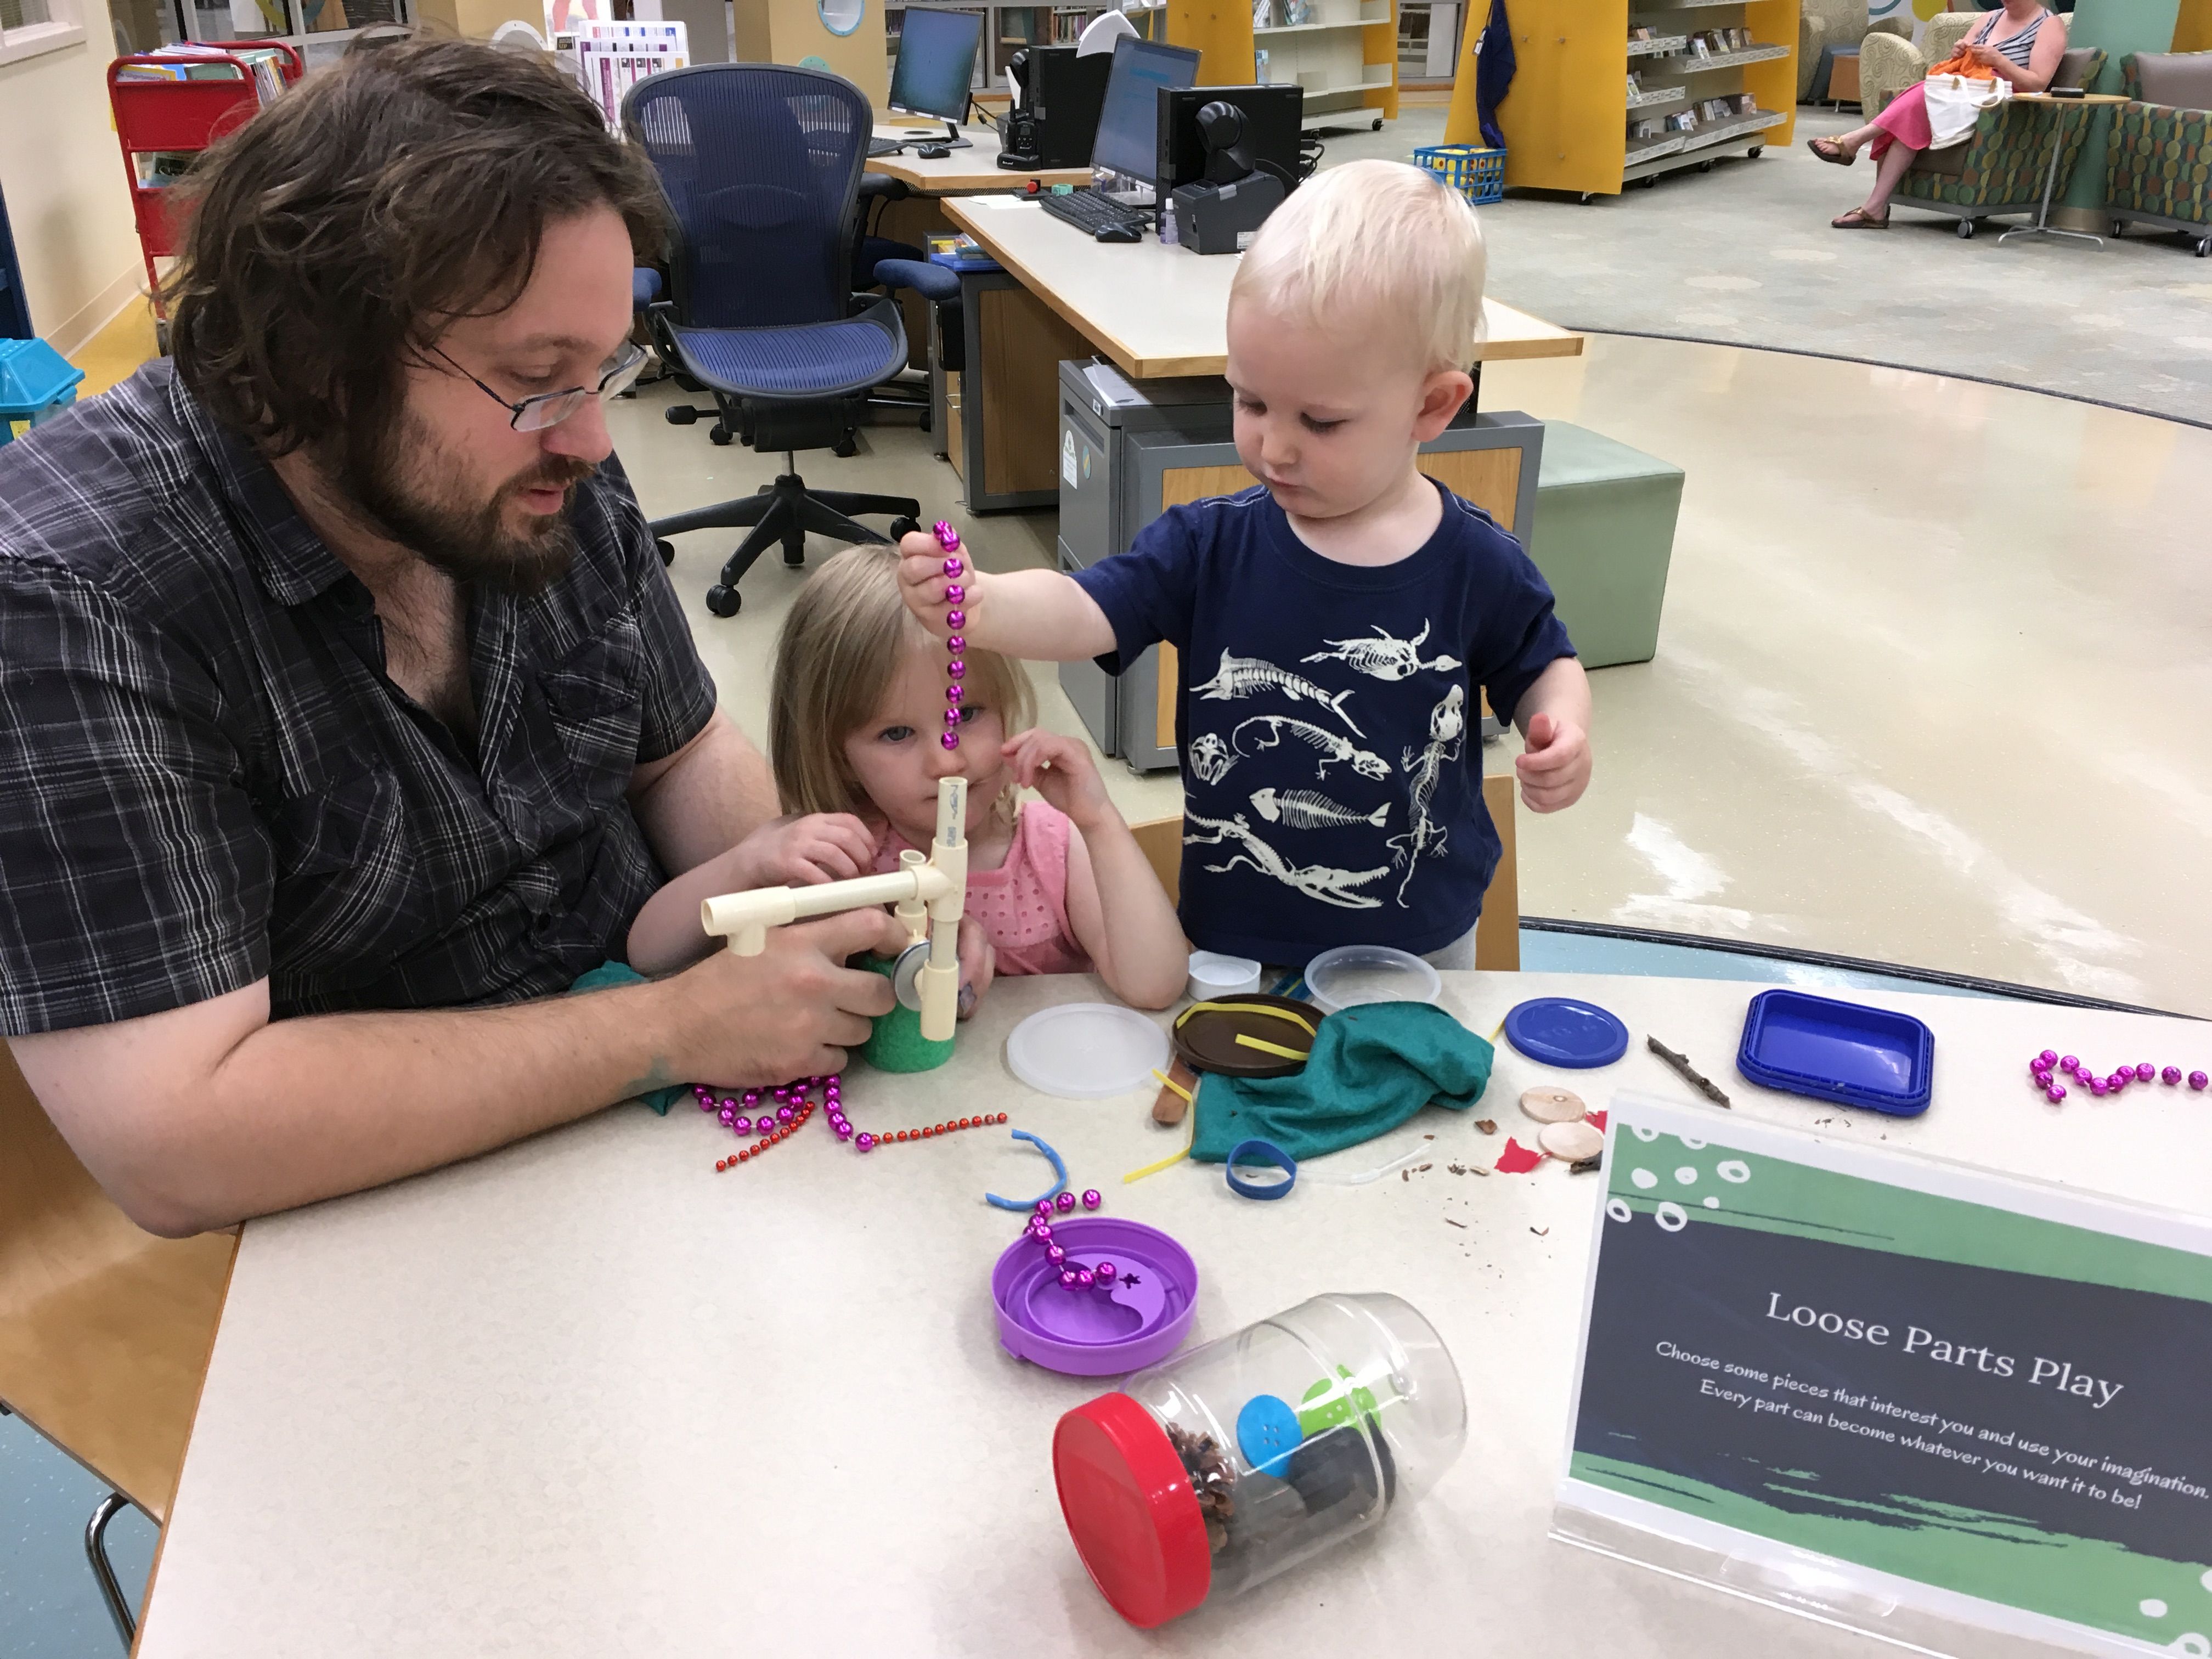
[(886, 146), (1091, 212)]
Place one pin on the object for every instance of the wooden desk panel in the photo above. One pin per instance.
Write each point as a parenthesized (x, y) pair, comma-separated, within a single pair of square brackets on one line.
[(1159, 310), (965, 172)]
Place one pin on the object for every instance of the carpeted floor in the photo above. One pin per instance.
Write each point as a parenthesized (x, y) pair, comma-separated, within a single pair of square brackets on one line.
[(1743, 255)]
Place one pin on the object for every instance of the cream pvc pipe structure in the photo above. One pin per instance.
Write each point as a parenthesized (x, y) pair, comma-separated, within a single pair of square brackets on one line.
[(930, 893)]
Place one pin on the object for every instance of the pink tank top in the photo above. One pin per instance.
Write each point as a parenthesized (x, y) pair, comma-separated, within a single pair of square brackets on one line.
[(1022, 904)]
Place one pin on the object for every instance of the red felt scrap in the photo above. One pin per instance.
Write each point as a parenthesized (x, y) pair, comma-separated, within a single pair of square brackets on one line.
[(1595, 1120), (1516, 1159)]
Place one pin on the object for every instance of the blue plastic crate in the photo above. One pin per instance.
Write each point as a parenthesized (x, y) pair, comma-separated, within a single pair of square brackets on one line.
[(1475, 172), (36, 383)]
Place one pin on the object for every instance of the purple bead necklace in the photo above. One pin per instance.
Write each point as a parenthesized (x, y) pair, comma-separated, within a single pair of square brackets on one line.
[(956, 619), (1040, 1229), (2041, 1070)]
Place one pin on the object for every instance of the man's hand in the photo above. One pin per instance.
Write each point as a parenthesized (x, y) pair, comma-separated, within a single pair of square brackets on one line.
[(793, 1010), (923, 583), (801, 850), (1061, 771), (1555, 768)]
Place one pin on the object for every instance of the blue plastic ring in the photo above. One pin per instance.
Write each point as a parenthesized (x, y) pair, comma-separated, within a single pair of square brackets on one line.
[(1261, 1151), (1053, 1191)]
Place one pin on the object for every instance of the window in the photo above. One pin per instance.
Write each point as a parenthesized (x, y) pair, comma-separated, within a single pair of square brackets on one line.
[(28, 28)]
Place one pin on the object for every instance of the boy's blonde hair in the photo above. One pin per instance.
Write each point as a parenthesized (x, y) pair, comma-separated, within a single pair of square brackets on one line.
[(1373, 239), (836, 656)]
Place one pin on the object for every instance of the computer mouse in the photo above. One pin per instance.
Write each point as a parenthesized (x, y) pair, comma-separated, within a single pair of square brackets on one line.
[(1117, 233), (934, 152)]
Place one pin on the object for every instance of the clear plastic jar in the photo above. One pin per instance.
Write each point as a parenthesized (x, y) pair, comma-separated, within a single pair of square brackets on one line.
[(1216, 1471)]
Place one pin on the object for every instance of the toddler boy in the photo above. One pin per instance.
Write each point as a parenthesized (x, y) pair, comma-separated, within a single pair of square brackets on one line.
[(1332, 622)]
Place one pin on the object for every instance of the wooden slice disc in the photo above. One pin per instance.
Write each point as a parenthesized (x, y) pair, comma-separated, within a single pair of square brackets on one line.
[(1572, 1141), (1553, 1105)]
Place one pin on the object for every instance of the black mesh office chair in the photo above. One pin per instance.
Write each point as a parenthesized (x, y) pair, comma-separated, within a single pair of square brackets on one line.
[(761, 164)]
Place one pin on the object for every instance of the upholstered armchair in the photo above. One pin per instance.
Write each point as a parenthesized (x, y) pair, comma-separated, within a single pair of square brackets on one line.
[(2159, 169), (1829, 23), (1889, 64), (2003, 167)]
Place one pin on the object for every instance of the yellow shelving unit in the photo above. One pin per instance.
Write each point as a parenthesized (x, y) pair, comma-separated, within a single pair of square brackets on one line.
[(1566, 119), (1344, 53)]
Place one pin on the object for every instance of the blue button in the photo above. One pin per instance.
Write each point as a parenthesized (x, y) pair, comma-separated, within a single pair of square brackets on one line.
[(1268, 1432)]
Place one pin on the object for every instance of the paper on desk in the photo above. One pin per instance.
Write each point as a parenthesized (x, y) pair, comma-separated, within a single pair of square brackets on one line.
[(1002, 203)]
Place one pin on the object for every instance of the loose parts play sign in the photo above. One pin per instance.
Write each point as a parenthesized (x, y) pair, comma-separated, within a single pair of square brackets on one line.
[(1992, 1398)]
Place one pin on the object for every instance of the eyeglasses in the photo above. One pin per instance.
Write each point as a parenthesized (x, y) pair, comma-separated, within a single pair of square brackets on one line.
[(551, 408)]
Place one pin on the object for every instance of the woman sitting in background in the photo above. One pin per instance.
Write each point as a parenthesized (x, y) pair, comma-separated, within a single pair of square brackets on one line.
[(2023, 43)]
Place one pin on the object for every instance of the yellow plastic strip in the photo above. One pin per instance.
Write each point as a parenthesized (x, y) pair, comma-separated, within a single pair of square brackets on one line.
[(1167, 1082), (1169, 1163), (1267, 1048), (1245, 1008)]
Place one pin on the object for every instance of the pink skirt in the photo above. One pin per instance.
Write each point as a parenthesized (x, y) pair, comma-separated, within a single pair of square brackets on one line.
[(1904, 121)]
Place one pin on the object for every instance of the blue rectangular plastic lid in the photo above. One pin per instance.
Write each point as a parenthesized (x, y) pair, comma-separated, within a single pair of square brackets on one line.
[(1839, 1051)]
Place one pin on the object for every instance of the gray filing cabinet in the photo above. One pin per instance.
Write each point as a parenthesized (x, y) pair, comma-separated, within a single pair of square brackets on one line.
[(1131, 449)]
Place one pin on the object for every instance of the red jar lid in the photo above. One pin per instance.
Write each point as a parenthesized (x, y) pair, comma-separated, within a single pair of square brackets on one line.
[(1129, 1507)]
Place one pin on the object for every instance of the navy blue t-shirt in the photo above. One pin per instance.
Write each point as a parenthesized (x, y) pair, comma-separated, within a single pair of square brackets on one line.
[(1326, 716)]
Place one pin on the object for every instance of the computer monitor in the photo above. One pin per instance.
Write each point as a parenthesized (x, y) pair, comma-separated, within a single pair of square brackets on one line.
[(1129, 122), (936, 65)]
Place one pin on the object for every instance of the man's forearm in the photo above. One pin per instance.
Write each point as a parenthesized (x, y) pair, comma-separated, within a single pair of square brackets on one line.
[(717, 791), (1043, 615), (301, 1109)]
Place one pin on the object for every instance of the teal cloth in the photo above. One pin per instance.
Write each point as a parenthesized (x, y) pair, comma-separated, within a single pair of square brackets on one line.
[(1372, 1067), (605, 976)]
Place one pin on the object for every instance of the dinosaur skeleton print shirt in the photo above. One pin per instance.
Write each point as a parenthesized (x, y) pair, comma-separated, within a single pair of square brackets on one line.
[(1326, 716)]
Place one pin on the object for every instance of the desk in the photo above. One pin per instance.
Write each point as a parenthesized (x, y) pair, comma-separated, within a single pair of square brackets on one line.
[(965, 172), (2043, 227), (1154, 311), (585, 1397)]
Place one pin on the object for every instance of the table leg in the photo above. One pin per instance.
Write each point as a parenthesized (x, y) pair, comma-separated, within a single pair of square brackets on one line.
[(2042, 227)]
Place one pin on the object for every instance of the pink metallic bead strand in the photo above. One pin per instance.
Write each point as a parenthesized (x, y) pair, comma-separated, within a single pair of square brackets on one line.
[(954, 595)]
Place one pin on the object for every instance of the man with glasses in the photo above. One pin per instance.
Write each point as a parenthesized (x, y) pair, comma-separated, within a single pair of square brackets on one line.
[(347, 716)]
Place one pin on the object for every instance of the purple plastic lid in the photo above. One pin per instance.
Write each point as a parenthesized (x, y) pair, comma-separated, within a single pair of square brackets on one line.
[(1096, 1333)]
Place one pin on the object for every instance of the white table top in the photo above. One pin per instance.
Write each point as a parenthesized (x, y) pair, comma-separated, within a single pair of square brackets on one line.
[(1164, 311), (585, 1397), (976, 169)]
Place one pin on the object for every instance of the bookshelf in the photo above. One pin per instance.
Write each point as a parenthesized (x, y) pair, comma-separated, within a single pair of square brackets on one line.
[(1343, 52), (1571, 120)]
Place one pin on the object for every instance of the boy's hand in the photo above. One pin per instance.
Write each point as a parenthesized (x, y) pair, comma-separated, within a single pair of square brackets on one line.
[(1555, 766), (802, 850), (922, 582), (1061, 771)]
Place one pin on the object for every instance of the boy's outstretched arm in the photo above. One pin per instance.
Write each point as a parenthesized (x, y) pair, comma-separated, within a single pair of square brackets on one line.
[(1040, 614), (1554, 716)]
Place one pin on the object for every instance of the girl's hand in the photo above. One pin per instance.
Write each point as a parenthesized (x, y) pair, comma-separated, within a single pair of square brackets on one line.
[(979, 964), (1061, 771), (1555, 766), (922, 582), (800, 851)]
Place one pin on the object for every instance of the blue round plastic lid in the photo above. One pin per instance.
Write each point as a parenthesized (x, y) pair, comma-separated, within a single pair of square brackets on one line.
[(1561, 1031)]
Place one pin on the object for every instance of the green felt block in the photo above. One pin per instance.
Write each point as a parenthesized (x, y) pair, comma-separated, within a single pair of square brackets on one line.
[(1604, 531), (896, 1043)]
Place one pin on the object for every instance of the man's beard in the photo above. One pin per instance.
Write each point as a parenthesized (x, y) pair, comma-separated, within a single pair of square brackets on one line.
[(409, 489)]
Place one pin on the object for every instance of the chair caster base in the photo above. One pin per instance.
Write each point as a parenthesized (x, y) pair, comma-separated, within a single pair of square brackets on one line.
[(723, 601), (903, 527), (720, 434), (846, 449), (667, 549), (1966, 232)]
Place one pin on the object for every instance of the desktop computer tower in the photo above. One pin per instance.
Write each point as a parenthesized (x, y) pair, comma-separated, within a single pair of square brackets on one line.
[(1272, 119), (1055, 122)]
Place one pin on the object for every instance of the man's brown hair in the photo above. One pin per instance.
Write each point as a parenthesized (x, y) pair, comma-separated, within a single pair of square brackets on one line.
[(335, 235)]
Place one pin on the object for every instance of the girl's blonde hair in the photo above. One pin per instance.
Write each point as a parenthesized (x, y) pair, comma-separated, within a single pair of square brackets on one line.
[(1374, 240), (835, 660)]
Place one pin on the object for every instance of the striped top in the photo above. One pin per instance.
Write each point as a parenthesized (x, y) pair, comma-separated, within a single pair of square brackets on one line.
[(2019, 45)]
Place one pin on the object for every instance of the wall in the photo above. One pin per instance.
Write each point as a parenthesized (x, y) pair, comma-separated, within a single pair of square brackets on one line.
[(64, 177), (2120, 27)]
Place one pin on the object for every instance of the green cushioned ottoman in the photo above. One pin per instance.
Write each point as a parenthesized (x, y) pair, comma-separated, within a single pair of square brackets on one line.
[(1604, 531)]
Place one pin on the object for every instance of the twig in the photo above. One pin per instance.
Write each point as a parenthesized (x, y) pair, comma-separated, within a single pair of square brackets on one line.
[(1689, 1074)]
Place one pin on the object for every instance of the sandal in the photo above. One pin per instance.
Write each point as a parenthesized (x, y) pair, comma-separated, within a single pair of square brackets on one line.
[(1835, 153), (1859, 219)]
